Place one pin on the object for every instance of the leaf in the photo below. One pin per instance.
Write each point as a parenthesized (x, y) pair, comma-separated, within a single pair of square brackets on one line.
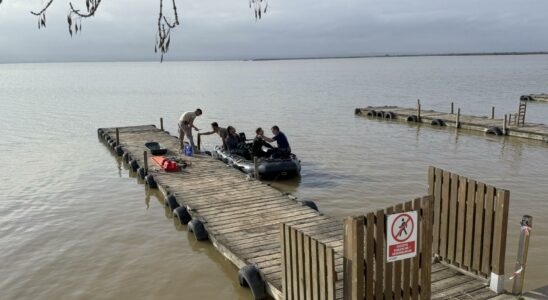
[(70, 31), (69, 20), (43, 23), (167, 44), (76, 28), (44, 17), (87, 4)]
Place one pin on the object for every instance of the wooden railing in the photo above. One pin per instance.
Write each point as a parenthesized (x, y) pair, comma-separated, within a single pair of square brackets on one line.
[(308, 266), (470, 222), (368, 275)]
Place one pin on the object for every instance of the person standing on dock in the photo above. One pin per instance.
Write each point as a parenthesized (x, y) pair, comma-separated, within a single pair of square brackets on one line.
[(283, 150), (222, 132), (186, 123)]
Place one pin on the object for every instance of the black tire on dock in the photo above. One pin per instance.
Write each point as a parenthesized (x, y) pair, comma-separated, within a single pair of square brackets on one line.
[(525, 98), (149, 179), (141, 172), (412, 118), (112, 144), (197, 227), (119, 150), (125, 157), (100, 132), (380, 114), (494, 131), (371, 113), (357, 111), (250, 276), (134, 165), (171, 202), (389, 115), (438, 122), (310, 204), (181, 213)]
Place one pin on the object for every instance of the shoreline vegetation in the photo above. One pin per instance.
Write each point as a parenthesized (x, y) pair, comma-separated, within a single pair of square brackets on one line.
[(289, 58), (407, 55)]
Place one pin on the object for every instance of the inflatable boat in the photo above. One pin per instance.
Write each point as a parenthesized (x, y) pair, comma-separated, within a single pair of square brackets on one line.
[(268, 168)]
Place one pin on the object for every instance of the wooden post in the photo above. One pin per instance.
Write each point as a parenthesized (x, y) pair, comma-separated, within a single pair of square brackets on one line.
[(117, 137), (199, 141), (523, 249), (504, 124), (492, 112), (452, 106), (145, 162), (255, 167), (457, 122), (353, 266), (419, 109), (162, 124)]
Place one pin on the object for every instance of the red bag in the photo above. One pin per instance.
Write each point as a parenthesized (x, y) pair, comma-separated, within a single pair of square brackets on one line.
[(170, 166)]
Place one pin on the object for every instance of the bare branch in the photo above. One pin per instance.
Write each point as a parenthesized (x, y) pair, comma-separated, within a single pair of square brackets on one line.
[(42, 11)]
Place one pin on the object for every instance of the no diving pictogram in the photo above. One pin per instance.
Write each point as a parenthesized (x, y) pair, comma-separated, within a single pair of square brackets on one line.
[(402, 227)]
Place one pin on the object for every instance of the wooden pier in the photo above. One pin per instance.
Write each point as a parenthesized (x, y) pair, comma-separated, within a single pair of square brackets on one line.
[(301, 253), (511, 125)]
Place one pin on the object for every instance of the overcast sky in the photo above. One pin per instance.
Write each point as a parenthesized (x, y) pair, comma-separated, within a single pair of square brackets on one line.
[(226, 29)]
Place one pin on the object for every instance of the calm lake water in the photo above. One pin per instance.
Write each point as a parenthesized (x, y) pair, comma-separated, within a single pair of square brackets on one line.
[(75, 225)]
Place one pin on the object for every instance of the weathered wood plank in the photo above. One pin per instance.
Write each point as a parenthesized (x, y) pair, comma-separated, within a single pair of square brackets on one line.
[(488, 230), (478, 231)]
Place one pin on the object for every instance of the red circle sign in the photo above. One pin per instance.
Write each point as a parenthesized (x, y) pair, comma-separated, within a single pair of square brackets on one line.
[(402, 228)]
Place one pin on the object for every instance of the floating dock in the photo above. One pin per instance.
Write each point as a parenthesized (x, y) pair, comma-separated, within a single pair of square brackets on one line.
[(535, 98), (243, 216), (483, 124)]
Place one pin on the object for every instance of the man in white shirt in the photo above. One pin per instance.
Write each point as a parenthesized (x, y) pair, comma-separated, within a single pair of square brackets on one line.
[(186, 123)]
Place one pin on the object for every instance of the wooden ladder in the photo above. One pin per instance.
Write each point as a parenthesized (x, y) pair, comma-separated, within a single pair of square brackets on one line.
[(521, 113)]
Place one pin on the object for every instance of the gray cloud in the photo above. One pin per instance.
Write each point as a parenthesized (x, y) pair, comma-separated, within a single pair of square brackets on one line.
[(226, 29)]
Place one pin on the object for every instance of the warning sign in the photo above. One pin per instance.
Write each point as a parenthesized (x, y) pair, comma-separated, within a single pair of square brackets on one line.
[(401, 236)]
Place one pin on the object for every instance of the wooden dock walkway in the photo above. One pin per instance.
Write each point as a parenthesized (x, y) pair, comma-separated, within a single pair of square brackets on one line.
[(483, 124), (243, 216)]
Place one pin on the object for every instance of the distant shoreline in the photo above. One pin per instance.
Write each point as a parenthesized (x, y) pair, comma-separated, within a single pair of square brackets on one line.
[(286, 58), (405, 55)]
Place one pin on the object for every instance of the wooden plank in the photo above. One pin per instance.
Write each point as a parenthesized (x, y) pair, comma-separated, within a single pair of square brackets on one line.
[(437, 212), (488, 230), (426, 243), (469, 233), (331, 275), (294, 267), (379, 254), (501, 225), (370, 254), (444, 222), (285, 264), (415, 261), (315, 270), (307, 266), (323, 271), (288, 262), (353, 258), (407, 266), (388, 266), (478, 230), (300, 264), (398, 267), (461, 219), (452, 228)]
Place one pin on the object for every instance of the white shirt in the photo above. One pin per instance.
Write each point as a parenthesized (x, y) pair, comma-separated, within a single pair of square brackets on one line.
[(187, 117)]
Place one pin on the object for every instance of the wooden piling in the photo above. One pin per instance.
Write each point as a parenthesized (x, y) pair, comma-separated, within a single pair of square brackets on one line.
[(452, 107), (162, 124), (145, 161), (419, 109), (523, 249), (199, 142), (504, 124), (492, 112), (457, 122), (117, 136)]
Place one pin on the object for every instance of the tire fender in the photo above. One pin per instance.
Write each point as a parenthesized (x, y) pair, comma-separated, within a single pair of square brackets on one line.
[(250, 276)]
